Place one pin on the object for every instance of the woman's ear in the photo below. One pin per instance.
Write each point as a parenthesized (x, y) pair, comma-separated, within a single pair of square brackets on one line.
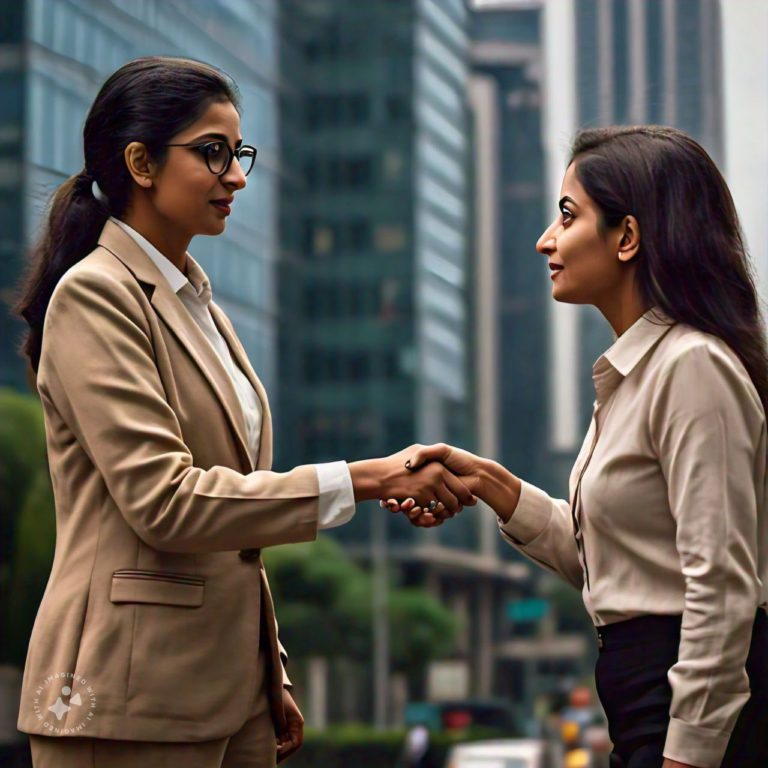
[(629, 245), (139, 164)]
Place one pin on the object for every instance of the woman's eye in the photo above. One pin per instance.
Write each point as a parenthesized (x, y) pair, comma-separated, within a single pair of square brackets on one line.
[(213, 149), (566, 214)]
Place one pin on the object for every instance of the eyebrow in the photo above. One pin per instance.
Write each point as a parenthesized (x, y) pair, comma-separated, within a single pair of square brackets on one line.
[(219, 136), (566, 199)]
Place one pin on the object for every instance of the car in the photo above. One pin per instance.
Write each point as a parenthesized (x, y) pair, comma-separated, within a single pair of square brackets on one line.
[(503, 753)]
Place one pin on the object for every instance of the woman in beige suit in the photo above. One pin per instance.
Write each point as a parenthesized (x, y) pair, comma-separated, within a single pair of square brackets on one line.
[(156, 641)]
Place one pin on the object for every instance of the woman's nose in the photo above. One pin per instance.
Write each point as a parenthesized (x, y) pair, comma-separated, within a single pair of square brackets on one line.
[(234, 177), (546, 243)]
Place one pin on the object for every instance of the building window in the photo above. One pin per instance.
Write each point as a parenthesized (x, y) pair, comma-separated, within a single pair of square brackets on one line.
[(398, 108), (389, 238), (342, 236), (336, 110), (392, 166), (339, 172)]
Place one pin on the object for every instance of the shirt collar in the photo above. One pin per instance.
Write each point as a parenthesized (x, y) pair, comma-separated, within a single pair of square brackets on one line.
[(194, 282), (628, 350)]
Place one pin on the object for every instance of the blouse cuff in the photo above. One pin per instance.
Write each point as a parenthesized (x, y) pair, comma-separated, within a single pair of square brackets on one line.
[(531, 516), (337, 496), (695, 745)]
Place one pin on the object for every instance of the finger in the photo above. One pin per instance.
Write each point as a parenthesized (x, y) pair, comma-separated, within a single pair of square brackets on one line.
[(442, 514), (413, 513), (459, 490), (428, 520), (393, 505), (288, 744), (427, 453), (408, 504), (424, 518), (442, 493)]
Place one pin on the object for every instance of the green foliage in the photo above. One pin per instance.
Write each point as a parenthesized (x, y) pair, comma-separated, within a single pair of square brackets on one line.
[(27, 522), (320, 597), (22, 453), (355, 745), (324, 605), (426, 630), (32, 559)]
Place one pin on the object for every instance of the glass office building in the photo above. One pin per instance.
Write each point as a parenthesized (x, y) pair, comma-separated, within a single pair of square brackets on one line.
[(376, 222), (61, 52)]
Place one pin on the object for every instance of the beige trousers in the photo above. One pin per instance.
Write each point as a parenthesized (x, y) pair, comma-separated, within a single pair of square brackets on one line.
[(253, 746)]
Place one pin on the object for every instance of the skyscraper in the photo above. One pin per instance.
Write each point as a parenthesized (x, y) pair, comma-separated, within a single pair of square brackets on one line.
[(376, 224), (58, 54)]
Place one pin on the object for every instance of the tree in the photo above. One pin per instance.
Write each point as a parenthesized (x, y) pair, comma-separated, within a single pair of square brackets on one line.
[(324, 606), (27, 522)]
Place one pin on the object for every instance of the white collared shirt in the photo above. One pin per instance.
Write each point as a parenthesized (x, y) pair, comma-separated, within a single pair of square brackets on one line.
[(667, 514), (337, 498)]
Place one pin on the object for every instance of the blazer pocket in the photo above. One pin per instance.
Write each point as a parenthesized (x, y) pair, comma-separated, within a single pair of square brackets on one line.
[(158, 587)]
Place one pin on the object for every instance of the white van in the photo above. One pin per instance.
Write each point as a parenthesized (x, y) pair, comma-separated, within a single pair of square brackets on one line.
[(506, 753)]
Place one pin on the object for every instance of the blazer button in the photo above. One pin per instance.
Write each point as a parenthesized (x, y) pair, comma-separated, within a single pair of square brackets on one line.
[(249, 554)]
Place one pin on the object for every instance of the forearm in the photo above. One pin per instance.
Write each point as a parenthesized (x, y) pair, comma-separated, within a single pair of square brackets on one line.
[(497, 487)]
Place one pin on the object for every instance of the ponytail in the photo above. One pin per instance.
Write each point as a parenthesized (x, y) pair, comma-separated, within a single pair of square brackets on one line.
[(71, 232), (148, 100)]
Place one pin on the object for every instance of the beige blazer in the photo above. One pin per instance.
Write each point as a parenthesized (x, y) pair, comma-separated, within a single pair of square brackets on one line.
[(149, 627)]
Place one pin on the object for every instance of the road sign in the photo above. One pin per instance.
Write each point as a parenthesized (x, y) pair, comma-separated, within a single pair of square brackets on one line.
[(528, 610)]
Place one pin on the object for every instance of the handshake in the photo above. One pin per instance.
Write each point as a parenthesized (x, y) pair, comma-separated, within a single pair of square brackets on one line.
[(430, 484)]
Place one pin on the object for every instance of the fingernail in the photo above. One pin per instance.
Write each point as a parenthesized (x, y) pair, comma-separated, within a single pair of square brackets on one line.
[(408, 464)]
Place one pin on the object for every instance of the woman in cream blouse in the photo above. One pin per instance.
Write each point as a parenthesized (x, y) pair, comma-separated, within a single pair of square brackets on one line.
[(665, 528)]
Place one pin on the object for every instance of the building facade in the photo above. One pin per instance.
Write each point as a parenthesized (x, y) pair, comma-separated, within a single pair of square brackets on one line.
[(60, 53), (376, 333)]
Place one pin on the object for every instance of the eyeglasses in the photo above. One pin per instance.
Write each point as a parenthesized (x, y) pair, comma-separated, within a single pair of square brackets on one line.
[(218, 155)]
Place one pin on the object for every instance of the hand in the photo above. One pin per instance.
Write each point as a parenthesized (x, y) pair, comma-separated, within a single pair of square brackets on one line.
[(462, 463), (292, 738), (421, 518), (377, 478), (488, 480)]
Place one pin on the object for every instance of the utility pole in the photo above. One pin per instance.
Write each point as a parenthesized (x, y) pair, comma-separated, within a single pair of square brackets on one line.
[(380, 618)]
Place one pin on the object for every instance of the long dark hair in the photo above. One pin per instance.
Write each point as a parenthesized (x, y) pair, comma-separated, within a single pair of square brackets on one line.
[(148, 100), (693, 263)]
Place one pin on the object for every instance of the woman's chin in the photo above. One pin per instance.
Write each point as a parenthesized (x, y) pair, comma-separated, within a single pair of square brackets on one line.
[(565, 297), (214, 227)]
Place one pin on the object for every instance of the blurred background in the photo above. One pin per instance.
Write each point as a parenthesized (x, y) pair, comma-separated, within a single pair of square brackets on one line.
[(380, 270)]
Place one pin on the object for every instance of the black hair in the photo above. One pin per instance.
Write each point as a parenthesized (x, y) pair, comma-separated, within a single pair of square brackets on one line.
[(148, 100), (693, 263)]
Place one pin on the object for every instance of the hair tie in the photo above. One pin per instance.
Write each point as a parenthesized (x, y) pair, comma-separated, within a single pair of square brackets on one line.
[(98, 194)]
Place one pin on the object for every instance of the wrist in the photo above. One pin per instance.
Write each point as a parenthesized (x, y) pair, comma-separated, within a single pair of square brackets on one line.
[(366, 482), (502, 490)]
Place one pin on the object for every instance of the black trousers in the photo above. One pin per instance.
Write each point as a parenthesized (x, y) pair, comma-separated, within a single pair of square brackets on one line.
[(631, 677)]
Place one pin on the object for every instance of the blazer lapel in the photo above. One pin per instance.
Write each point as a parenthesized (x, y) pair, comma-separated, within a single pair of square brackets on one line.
[(175, 315), (224, 325)]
